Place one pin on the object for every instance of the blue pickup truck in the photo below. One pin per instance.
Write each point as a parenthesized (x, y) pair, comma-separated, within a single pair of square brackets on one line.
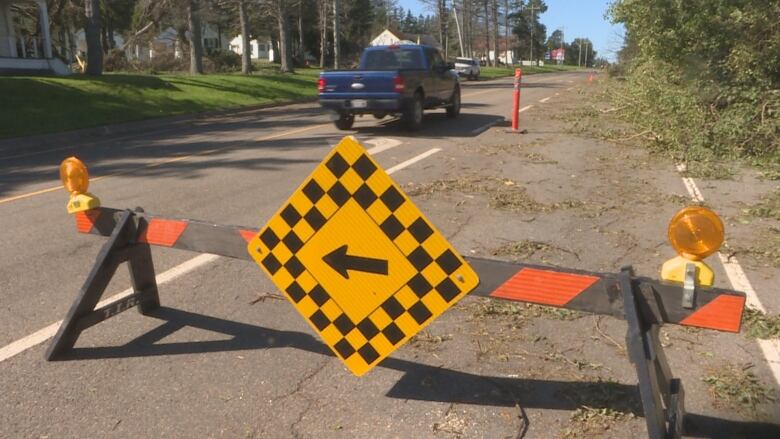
[(403, 80)]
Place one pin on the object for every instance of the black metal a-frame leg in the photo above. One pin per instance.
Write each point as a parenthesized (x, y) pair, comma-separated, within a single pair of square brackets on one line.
[(121, 247), (662, 396)]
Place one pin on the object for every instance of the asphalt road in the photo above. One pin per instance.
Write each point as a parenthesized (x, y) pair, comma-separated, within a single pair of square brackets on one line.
[(215, 361)]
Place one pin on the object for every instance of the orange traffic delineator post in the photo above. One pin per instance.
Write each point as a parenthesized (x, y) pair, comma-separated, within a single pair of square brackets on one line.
[(516, 100)]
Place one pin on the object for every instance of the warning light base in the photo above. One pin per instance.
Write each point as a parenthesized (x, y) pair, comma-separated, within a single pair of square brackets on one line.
[(673, 270), (82, 202)]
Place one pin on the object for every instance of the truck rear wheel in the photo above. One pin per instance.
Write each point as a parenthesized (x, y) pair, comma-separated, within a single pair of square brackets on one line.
[(413, 114), (345, 121), (453, 110)]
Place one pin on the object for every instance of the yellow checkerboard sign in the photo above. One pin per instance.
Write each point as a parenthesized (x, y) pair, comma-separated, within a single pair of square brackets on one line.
[(359, 260)]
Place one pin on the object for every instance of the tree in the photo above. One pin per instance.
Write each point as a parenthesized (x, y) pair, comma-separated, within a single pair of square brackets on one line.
[(283, 22), (92, 35), (336, 31), (323, 19), (195, 39), (246, 55), (530, 32)]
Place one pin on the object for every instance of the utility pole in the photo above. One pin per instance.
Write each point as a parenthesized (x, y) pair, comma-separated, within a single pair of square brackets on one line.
[(533, 30), (579, 60), (586, 53), (457, 24)]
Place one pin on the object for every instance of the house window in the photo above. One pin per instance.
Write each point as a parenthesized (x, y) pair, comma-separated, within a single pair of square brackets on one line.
[(210, 43), (261, 47)]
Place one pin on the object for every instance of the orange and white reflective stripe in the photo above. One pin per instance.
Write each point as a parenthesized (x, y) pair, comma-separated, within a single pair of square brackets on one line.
[(724, 313), (544, 287), (163, 232)]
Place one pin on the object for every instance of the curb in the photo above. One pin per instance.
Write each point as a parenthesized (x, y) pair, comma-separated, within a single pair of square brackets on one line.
[(150, 125)]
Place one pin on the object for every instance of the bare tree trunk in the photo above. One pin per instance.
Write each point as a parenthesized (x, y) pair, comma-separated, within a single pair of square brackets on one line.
[(283, 20), (246, 54), (92, 35), (301, 48), (467, 33), (506, 32), (323, 31), (110, 33), (487, 34), (336, 39), (494, 11), (196, 41)]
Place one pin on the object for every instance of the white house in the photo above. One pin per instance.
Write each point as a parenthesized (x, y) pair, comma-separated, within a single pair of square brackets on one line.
[(388, 37), (25, 52), (258, 50)]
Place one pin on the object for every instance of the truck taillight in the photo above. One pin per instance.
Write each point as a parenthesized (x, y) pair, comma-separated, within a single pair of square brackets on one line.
[(398, 83), (321, 85)]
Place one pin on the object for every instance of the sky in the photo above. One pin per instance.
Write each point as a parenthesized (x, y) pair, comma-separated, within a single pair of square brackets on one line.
[(578, 18)]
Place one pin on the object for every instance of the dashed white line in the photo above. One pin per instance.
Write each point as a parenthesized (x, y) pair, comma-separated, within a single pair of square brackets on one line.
[(545, 99), (382, 144), (739, 281), (527, 107), (413, 160), (40, 336)]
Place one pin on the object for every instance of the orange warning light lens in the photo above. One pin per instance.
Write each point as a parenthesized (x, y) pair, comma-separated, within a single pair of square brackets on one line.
[(696, 232), (74, 175)]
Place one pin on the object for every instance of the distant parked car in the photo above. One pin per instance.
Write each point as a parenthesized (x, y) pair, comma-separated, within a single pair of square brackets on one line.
[(467, 67)]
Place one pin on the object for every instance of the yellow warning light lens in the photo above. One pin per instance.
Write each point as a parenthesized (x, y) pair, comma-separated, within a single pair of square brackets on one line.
[(696, 232), (74, 175)]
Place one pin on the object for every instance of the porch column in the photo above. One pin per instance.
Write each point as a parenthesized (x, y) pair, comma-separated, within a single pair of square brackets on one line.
[(44, 19), (9, 22)]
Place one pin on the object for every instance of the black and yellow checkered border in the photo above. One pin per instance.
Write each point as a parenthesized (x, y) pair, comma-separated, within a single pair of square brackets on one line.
[(443, 276)]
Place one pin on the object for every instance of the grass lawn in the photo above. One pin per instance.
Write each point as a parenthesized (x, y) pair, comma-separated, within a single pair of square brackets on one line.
[(500, 72), (36, 105)]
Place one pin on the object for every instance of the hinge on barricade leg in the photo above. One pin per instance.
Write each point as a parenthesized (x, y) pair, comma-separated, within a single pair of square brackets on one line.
[(662, 396), (120, 247)]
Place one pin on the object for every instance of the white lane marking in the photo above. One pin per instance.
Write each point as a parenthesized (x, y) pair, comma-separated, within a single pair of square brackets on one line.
[(527, 107), (545, 99), (739, 281), (570, 89), (413, 160), (382, 144), (690, 185), (49, 331), (557, 94)]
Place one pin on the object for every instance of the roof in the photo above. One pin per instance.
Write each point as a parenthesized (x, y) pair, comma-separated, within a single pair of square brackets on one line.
[(423, 39)]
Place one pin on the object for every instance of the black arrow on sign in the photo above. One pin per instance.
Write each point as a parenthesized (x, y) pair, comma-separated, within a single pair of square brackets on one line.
[(340, 261)]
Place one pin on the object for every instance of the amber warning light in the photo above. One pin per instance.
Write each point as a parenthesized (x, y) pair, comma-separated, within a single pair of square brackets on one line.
[(695, 232), (75, 180)]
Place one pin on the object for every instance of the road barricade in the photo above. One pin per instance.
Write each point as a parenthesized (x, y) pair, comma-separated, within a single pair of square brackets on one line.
[(645, 304)]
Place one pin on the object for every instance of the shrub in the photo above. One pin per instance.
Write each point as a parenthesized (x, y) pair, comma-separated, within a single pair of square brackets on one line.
[(222, 61), (115, 61)]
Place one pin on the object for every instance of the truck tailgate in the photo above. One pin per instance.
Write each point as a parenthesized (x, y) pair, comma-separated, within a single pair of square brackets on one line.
[(369, 84)]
